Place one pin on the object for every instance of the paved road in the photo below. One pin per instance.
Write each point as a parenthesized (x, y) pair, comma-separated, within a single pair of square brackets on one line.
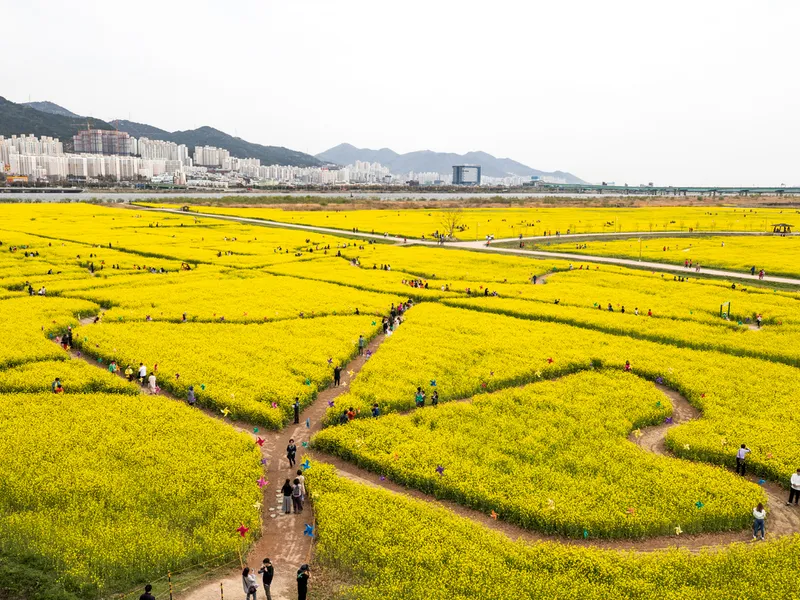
[(481, 247)]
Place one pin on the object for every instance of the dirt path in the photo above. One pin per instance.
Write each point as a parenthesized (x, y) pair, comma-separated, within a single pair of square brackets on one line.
[(781, 519), (480, 245), (282, 539), (282, 536), (284, 542)]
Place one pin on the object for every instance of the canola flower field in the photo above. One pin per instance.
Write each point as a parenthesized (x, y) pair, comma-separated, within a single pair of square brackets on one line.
[(511, 222), (776, 254), (108, 486)]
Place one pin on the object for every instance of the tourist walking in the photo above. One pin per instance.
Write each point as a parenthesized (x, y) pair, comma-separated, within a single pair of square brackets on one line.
[(435, 398), (337, 375), (249, 584), (267, 573), (794, 488), (759, 516), (296, 407), (287, 497), (758, 320), (291, 452), (419, 399), (142, 373), (376, 411), (741, 457), (129, 373), (151, 383), (302, 582), (190, 396), (297, 497), (361, 343)]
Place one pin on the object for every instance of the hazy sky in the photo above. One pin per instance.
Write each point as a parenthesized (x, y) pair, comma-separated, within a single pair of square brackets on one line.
[(674, 92)]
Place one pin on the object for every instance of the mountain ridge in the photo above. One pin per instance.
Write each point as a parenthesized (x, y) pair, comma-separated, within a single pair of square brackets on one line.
[(439, 162), (19, 119), (49, 119)]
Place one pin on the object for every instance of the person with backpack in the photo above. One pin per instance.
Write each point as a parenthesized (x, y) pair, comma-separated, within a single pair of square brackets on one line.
[(287, 497), (249, 584), (291, 452), (297, 497), (267, 573), (302, 582)]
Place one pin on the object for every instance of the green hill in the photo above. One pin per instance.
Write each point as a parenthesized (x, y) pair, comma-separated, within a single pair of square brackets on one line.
[(18, 119)]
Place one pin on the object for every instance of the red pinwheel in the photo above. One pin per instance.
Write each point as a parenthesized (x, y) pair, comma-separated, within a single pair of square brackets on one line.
[(242, 530), (260, 442), (549, 360)]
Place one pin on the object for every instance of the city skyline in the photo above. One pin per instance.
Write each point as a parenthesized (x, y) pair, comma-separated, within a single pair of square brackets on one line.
[(675, 93)]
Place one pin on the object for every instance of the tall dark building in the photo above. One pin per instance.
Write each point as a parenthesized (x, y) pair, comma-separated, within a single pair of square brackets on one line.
[(466, 175)]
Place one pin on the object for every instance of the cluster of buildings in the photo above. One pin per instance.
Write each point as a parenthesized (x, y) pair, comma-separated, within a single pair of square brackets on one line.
[(100, 155)]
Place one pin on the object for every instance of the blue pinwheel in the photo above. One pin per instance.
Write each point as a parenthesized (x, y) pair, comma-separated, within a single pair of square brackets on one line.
[(309, 530)]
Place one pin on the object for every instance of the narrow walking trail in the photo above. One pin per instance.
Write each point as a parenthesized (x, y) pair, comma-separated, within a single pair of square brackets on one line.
[(782, 520), (283, 538)]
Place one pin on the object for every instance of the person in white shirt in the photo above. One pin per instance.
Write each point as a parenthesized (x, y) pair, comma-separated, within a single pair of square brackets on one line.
[(794, 490), (152, 383), (759, 515), (142, 372), (741, 455)]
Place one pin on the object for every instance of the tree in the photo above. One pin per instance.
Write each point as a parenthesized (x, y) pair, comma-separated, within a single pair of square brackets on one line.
[(452, 219)]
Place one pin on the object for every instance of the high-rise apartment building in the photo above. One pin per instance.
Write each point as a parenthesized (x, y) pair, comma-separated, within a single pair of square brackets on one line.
[(104, 141)]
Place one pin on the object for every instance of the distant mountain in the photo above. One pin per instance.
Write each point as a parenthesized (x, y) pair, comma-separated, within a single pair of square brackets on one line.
[(439, 162), (208, 136), (51, 108), (20, 119)]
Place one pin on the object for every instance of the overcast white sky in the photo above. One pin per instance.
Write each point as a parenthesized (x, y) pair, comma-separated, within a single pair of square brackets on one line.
[(675, 92)]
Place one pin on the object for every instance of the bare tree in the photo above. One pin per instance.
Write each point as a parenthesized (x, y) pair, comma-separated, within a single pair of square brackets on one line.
[(452, 220)]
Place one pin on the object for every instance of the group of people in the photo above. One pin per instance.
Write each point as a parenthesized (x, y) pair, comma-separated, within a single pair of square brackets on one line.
[(761, 272), (622, 309), (419, 398), (294, 492), (759, 512), (250, 583)]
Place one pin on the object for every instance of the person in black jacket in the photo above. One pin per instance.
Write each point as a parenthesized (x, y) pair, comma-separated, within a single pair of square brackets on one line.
[(296, 407), (302, 582), (291, 452), (337, 375), (267, 572)]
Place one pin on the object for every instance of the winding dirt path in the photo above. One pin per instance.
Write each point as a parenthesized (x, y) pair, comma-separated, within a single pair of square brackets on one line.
[(282, 536), (782, 520), (284, 542)]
